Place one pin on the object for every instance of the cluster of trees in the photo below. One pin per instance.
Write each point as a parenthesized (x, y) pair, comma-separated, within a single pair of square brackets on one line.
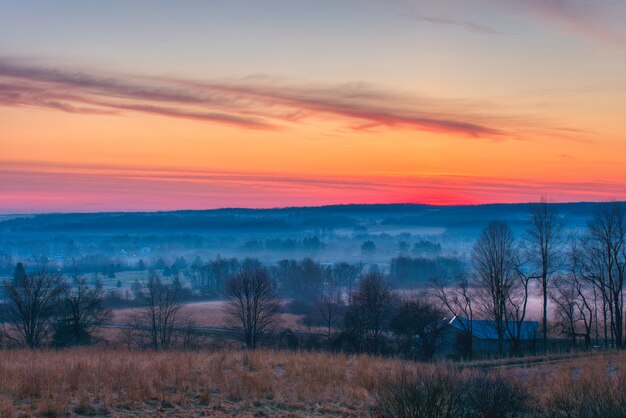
[(373, 318), (427, 247), (407, 272), (45, 306), (210, 278), (582, 275), (503, 270), (287, 244), (589, 294), (370, 318), (304, 279), (178, 266)]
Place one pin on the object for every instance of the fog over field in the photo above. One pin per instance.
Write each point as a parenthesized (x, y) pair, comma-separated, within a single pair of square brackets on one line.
[(326, 234), (119, 249)]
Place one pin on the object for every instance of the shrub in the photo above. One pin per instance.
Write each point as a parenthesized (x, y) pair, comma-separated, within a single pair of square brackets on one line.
[(425, 394), (445, 392), (493, 396)]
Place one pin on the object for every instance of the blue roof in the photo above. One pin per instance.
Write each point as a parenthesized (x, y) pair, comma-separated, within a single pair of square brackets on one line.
[(486, 330)]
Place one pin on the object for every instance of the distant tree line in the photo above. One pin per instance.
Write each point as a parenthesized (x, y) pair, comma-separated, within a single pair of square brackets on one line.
[(286, 244), (304, 279), (407, 272)]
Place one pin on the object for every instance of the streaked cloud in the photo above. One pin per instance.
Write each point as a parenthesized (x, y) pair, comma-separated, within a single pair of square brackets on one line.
[(463, 24), (255, 102), (600, 21), (48, 187)]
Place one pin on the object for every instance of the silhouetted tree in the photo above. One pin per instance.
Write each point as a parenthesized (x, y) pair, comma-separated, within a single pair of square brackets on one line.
[(419, 325), (458, 300), (368, 247), (252, 304), (494, 263), (369, 311), (301, 280), (19, 273), (329, 309), (159, 316), (32, 302), (605, 265), (542, 249), (345, 274), (80, 313)]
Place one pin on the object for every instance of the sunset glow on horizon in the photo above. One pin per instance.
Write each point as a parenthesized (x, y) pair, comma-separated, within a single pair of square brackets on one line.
[(146, 106)]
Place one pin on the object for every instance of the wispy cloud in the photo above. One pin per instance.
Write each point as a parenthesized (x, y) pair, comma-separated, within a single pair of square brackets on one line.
[(463, 24), (255, 102), (599, 21), (32, 187)]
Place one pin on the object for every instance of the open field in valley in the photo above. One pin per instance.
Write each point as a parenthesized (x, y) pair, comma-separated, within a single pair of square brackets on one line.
[(274, 383)]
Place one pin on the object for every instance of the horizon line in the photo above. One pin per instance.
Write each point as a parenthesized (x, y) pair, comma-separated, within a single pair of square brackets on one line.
[(233, 208)]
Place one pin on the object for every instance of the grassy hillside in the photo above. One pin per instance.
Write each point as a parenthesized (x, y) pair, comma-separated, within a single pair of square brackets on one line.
[(269, 383)]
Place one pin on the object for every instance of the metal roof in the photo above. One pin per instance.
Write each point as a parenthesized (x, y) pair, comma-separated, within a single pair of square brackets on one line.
[(486, 330)]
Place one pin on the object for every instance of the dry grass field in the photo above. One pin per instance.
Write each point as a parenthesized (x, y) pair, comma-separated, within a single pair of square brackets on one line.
[(117, 382), (94, 381), (213, 314)]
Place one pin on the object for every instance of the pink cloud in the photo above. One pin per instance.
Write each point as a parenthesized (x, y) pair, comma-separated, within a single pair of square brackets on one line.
[(600, 21), (29, 187), (249, 103)]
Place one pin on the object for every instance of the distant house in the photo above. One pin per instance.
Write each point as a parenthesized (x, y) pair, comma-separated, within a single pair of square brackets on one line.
[(485, 336)]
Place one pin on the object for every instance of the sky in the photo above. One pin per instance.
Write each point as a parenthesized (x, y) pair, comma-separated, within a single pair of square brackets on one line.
[(163, 105)]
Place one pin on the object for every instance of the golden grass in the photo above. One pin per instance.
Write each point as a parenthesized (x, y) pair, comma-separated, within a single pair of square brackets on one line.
[(97, 380), (104, 381), (213, 314)]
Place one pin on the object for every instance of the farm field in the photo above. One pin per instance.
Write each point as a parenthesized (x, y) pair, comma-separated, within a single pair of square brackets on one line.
[(213, 314)]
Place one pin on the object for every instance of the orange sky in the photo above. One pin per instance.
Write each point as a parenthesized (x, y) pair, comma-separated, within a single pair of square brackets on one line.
[(444, 106)]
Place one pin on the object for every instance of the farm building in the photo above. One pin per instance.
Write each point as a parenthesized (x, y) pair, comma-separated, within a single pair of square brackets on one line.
[(485, 336)]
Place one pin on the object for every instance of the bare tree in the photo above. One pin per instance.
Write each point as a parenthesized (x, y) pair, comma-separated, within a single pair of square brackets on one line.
[(345, 274), (564, 296), (517, 304), (458, 301), (160, 314), (419, 324), (494, 263), (81, 312), (329, 309), (609, 229), (252, 304), (605, 266), (32, 301), (369, 312), (542, 249), (572, 298), (201, 278), (586, 300), (588, 264)]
